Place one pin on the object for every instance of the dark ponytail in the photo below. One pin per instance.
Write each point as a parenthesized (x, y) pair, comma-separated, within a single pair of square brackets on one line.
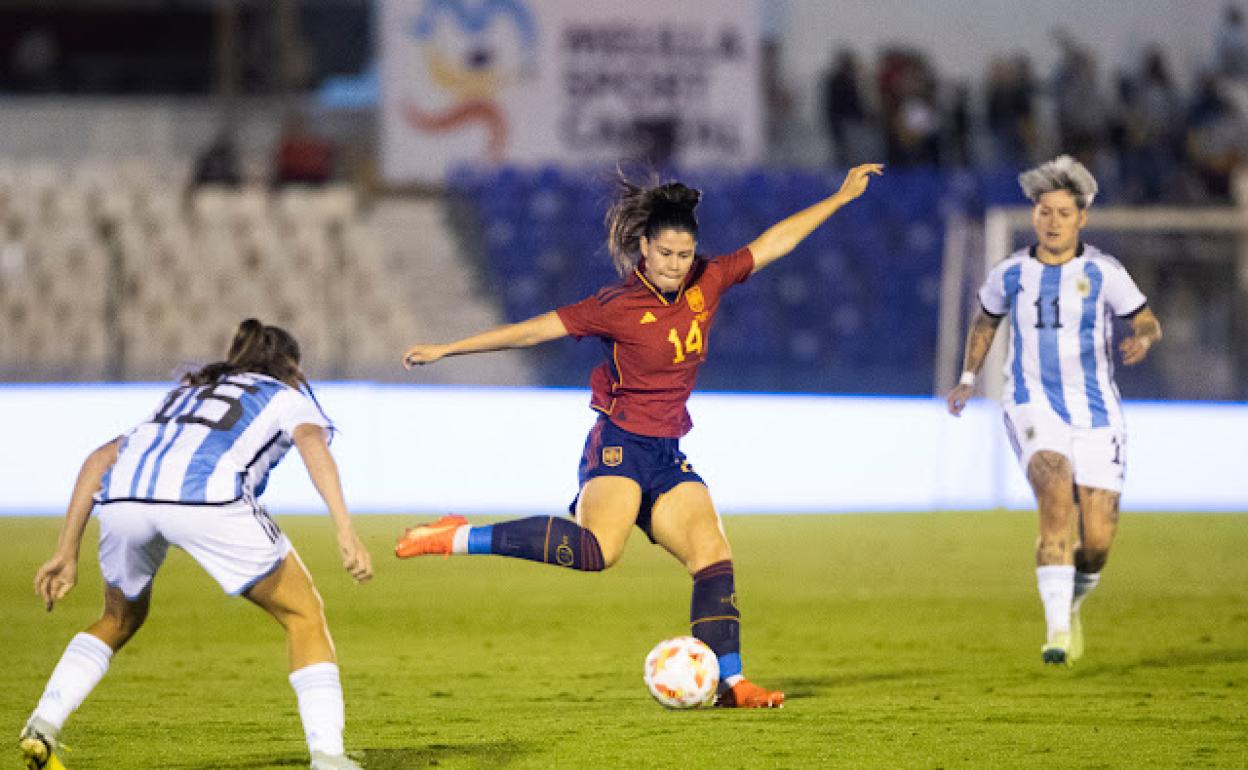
[(647, 210), (256, 348)]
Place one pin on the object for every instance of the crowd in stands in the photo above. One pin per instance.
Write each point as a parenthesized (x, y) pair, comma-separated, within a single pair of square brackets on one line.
[(1151, 138), (856, 311), (301, 156)]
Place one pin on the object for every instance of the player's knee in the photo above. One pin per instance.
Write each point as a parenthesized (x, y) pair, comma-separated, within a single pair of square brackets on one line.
[(1092, 559), (710, 553), (306, 613)]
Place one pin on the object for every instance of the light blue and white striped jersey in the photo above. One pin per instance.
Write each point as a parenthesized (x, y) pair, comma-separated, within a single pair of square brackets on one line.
[(210, 443), (1061, 331)]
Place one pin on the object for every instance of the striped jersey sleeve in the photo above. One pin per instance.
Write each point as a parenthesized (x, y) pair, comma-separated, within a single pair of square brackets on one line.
[(993, 297), (1122, 296)]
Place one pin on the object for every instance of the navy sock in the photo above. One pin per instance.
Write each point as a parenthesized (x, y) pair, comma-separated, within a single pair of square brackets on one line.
[(546, 539), (714, 615)]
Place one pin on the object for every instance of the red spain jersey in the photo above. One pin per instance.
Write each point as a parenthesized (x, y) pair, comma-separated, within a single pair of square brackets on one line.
[(655, 344)]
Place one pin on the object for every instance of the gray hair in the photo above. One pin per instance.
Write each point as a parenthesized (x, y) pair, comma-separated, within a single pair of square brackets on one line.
[(1061, 173)]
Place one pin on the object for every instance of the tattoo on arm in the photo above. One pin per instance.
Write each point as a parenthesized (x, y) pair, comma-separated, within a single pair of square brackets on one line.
[(979, 340)]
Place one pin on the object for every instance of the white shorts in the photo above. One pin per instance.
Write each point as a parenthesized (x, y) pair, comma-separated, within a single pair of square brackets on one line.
[(237, 544), (1098, 456)]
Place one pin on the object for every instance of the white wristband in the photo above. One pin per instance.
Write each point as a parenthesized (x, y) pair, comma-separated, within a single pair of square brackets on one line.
[(968, 378)]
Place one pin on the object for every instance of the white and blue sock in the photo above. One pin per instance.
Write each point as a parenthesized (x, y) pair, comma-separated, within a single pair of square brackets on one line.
[(1085, 583), (474, 540)]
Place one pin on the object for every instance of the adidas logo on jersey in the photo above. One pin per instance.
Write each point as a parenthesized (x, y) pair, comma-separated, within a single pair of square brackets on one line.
[(648, 318)]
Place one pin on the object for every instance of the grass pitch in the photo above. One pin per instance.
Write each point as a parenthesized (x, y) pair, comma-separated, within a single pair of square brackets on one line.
[(901, 640)]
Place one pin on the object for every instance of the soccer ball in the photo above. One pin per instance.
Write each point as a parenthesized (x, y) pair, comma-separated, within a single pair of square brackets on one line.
[(682, 673)]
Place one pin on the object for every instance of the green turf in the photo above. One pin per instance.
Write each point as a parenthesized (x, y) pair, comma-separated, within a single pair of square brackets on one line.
[(901, 640)]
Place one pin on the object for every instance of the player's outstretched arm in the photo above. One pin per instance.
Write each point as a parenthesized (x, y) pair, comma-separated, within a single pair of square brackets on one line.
[(978, 342), (1146, 331), (314, 449), (55, 578), (783, 237), (523, 334)]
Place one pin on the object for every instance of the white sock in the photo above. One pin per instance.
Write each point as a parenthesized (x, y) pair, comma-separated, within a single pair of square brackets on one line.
[(1057, 586), (459, 542), (320, 706), (82, 666), (1085, 583)]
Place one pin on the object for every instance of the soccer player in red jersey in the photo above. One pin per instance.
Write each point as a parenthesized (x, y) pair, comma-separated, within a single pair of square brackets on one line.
[(656, 323)]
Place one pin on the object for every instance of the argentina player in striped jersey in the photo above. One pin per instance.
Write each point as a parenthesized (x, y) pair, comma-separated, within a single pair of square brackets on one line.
[(190, 476), (1063, 413)]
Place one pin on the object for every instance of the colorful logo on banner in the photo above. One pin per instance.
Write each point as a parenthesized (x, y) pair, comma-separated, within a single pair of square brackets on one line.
[(465, 58)]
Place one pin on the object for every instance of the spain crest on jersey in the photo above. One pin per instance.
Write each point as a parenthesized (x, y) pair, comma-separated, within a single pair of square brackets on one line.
[(693, 296), (612, 456)]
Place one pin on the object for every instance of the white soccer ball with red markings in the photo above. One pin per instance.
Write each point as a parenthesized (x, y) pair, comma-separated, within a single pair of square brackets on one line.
[(682, 673)]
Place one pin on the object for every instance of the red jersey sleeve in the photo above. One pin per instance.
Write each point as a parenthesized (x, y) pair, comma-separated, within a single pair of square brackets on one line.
[(730, 269), (586, 318)]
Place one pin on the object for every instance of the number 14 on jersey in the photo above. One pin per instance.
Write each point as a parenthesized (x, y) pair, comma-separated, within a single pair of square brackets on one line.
[(692, 344)]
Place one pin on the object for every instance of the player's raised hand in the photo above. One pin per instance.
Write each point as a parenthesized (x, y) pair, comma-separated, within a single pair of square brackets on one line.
[(1134, 349), (356, 559), (856, 180), (420, 354), (55, 578), (958, 397)]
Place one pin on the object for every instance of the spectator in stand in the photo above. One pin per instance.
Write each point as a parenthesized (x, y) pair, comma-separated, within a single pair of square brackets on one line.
[(843, 109), (779, 102), (218, 163), (1231, 46), (1216, 143), (1153, 139), (1011, 93), (1117, 139), (958, 140), (303, 157), (1081, 118), (912, 121)]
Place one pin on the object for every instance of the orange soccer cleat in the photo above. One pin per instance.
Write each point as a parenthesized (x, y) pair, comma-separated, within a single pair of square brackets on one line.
[(425, 539), (747, 695)]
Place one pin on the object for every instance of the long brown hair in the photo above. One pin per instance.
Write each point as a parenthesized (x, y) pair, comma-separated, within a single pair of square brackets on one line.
[(256, 348), (646, 209)]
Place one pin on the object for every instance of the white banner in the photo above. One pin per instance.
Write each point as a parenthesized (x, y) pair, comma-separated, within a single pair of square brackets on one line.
[(513, 450), (567, 81)]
